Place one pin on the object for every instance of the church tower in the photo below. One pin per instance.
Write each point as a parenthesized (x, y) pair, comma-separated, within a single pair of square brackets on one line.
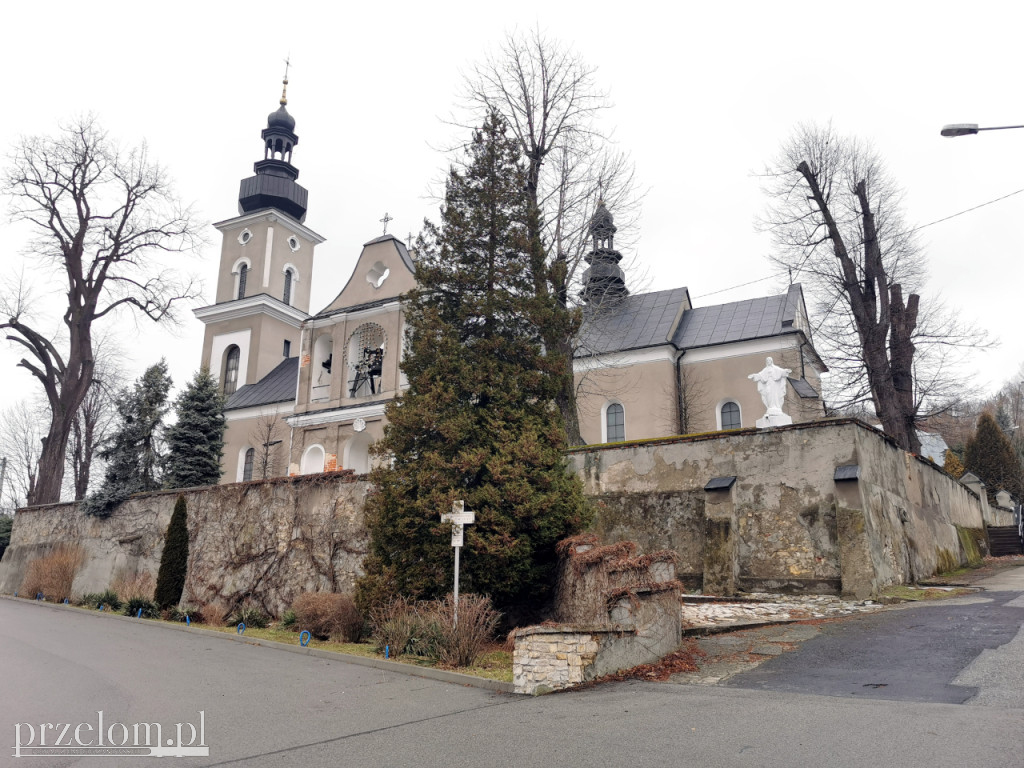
[(604, 279), (266, 266)]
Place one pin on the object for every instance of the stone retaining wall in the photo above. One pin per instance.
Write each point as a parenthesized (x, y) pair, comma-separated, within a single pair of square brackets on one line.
[(786, 523), (261, 541)]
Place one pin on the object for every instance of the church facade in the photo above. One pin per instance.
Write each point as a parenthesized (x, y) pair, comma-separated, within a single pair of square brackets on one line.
[(307, 392)]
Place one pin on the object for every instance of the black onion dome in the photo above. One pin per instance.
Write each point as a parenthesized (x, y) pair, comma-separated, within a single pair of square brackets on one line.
[(281, 119)]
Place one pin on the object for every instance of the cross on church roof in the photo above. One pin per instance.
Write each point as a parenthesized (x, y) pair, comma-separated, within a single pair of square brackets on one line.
[(386, 219)]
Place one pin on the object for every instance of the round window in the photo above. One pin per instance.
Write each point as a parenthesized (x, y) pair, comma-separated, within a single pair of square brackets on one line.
[(293, 243), (244, 236)]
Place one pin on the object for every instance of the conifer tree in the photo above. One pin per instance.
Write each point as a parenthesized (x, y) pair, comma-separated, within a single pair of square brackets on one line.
[(953, 465), (479, 420), (195, 443), (133, 454), (170, 580), (991, 457)]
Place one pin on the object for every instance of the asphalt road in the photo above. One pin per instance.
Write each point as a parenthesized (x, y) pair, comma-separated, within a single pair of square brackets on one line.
[(965, 650), (265, 707)]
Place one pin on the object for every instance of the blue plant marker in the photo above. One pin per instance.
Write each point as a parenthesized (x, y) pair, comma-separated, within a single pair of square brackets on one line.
[(139, 614), (241, 628), (188, 621), (39, 596), (65, 601), (304, 638), (387, 651), (101, 606)]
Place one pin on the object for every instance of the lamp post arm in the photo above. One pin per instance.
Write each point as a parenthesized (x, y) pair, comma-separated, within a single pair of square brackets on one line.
[(969, 129)]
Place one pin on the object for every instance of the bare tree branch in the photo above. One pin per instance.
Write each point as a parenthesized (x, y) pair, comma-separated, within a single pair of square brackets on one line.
[(836, 217), (99, 216)]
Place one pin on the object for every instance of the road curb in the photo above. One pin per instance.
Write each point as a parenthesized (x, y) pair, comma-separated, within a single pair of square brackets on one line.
[(721, 629), (441, 675)]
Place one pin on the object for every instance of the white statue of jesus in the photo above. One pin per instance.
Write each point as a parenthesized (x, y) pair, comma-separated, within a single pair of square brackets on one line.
[(771, 384)]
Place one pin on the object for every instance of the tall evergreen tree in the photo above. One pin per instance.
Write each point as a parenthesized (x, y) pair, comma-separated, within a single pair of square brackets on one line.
[(133, 454), (170, 579), (195, 443), (479, 420), (991, 457)]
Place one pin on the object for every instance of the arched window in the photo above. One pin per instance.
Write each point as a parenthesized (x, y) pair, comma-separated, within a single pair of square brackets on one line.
[(287, 287), (250, 456), (231, 358), (615, 421), (243, 273), (366, 360), (313, 460), (730, 415)]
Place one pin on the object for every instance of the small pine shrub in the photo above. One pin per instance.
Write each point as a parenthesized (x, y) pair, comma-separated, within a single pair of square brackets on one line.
[(288, 620), (251, 615), (170, 582), (328, 615), (214, 614), (150, 610), (52, 575)]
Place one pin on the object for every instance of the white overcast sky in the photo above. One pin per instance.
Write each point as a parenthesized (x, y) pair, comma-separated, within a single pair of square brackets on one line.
[(702, 93)]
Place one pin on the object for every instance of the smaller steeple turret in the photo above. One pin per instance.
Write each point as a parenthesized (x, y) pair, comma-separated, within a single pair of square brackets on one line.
[(604, 278), (274, 185)]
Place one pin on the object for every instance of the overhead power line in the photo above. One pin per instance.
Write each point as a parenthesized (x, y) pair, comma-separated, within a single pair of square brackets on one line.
[(915, 229)]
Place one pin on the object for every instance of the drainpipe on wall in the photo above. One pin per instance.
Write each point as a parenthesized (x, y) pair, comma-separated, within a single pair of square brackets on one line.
[(679, 393)]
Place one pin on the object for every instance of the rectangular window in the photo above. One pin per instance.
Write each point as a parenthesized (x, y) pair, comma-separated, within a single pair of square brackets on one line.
[(287, 348)]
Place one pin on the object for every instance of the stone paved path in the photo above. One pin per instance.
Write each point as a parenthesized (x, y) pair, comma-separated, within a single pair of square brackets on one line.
[(699, 611)]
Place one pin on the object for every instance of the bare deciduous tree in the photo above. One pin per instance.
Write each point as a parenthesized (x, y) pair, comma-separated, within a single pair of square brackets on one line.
[(548, 96), (20, 433), (265, 438), (693, 401), (100, 216), (838, 226), (96, 418)]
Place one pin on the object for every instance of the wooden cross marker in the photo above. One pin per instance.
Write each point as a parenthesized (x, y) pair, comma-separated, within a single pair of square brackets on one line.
[(458, 517)]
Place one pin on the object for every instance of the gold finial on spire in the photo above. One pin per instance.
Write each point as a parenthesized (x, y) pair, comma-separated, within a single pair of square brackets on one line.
[(284, 86)]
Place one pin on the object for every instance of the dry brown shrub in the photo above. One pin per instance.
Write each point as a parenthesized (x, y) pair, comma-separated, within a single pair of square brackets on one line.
[(129, 585), (462, 644), (328, 615), (53, 574), (214, 613)]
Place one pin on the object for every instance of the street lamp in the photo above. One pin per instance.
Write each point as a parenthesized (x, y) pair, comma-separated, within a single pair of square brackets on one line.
[(968, 129)]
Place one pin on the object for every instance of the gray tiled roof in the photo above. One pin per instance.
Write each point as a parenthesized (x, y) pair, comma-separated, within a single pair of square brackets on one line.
[(276, 387), (646, 320), (633, 322), (738, 320)]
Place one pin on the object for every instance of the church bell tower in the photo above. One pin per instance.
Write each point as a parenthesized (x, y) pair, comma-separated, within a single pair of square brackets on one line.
[(266, 266)]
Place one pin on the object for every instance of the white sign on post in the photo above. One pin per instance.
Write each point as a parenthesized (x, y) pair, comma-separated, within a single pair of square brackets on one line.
[(459, 518)]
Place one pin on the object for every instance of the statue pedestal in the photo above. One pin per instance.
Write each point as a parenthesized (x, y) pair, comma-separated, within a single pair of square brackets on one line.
[(773, 420)]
